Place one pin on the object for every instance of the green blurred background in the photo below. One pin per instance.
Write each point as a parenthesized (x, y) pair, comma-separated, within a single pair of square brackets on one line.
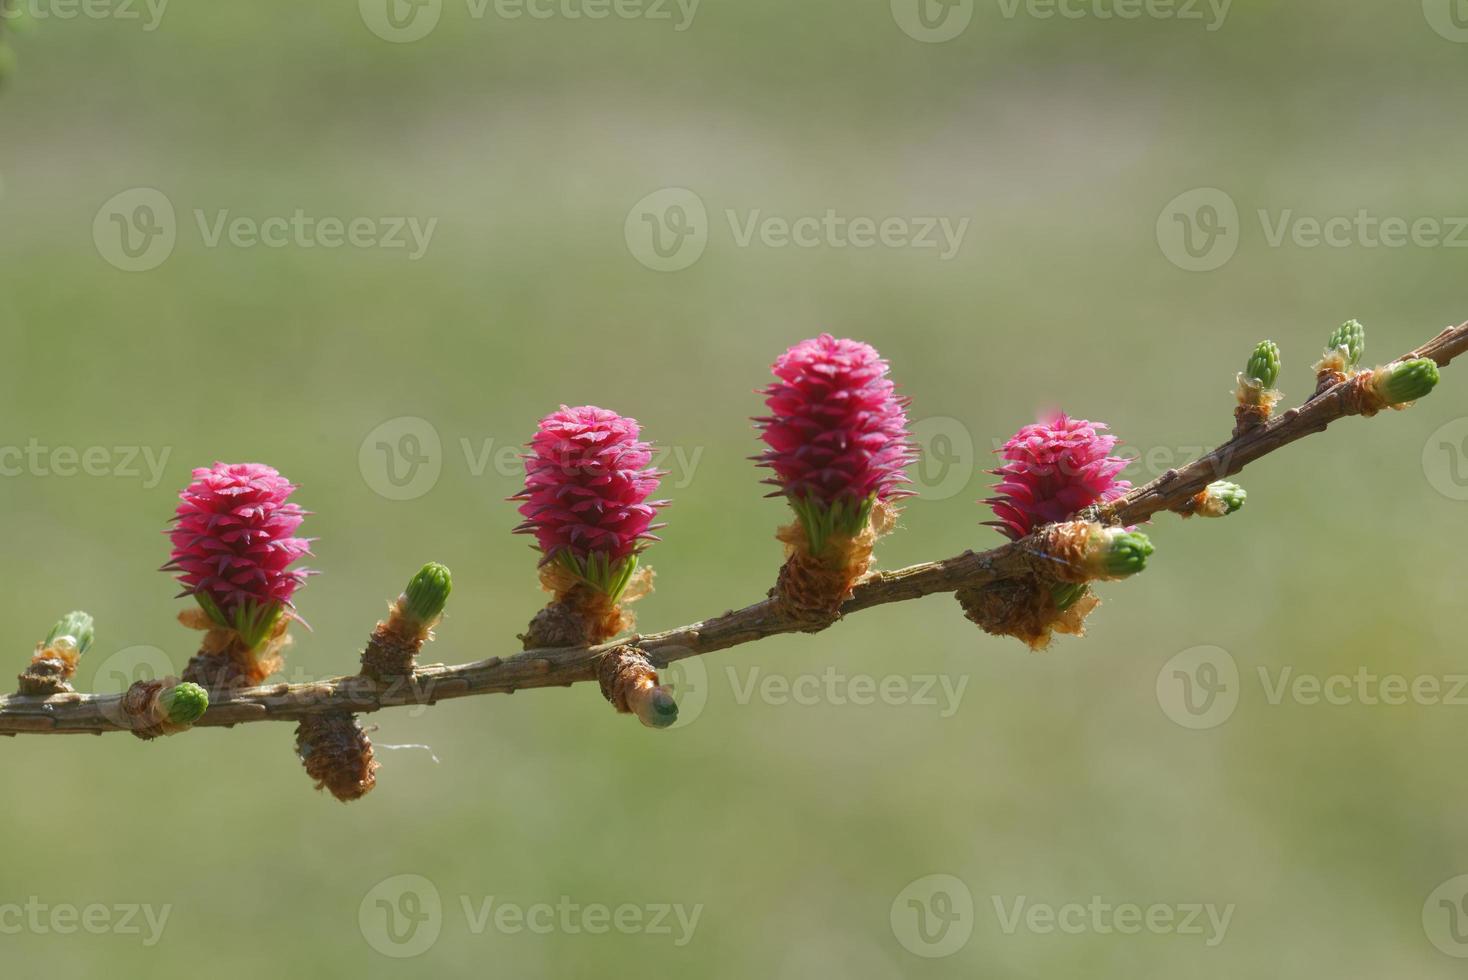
[(798, 828)]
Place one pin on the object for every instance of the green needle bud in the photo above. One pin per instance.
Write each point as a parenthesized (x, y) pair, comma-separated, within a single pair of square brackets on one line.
[(1406, 381), (1123, 553), (1349, 338), (428, 592), (1263, 366), (1065, 594), (183, 704), (75, 629), (1219, 499)]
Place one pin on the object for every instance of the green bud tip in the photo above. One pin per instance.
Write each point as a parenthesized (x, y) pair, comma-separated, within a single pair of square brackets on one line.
[(184, 703), (74, 626), (428, 592), (1124, 552), (1065, 594), (1408, 381), (1225, 497), (1350, 337), (660, 709), (1263, 366)]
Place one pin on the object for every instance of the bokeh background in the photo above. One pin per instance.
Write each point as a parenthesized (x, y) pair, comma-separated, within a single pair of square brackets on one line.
[(1079, 150)]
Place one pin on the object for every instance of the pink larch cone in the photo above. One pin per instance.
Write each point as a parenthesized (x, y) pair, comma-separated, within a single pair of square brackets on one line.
[(837, 434), (839, 448), (588, 477), (1053, 470), (233, 544)]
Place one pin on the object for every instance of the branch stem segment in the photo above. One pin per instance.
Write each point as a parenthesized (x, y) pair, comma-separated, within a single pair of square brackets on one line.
[(94, 714)]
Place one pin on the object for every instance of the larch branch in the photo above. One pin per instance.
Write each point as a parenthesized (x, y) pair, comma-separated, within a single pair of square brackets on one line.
[(98, 713)]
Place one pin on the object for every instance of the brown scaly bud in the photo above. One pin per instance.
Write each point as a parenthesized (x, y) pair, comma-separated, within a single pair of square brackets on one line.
[(1054, 595), (813, 584), (337, 754), (396, 641), (224, 663), (54, 663), (630, 683), (1256, 394), (581, 614), (1029, 608), (163, 707)]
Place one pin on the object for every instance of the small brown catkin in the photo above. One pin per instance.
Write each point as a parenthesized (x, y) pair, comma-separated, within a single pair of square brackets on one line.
[(1025, 609), (337, 754)]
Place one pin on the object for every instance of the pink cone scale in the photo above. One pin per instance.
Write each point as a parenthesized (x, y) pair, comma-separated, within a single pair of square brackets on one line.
[(588, 477), (837, 434), (234, 540), (1053, 470)]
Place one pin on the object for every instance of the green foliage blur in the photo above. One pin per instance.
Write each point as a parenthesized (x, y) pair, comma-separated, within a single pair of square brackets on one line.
[(791, 814)]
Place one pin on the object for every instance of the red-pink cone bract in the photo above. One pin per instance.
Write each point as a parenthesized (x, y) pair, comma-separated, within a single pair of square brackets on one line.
[(588, 477), (837, 435), (233, 544), (1052, 471)]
